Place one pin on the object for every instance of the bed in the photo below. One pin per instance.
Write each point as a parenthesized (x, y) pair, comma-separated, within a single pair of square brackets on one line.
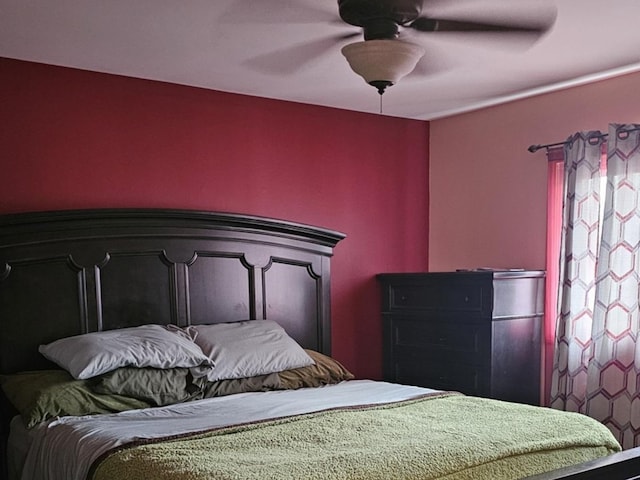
[(196, 276)]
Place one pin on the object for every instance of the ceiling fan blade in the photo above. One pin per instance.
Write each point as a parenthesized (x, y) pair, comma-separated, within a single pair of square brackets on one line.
[(278, 12), (291, 59), (425, 24)]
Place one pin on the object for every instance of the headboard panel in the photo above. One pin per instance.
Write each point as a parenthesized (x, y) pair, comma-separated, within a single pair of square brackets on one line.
[(70, 272)]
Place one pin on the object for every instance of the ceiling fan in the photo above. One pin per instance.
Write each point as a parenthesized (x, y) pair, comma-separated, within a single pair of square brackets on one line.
[(385, 55), (383, 58)]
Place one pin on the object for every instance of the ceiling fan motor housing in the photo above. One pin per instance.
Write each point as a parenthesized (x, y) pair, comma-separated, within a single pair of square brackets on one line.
[(379, 18)]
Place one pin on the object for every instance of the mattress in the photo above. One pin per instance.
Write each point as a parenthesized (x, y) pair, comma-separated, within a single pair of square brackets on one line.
[(521, 441), (65, 448)]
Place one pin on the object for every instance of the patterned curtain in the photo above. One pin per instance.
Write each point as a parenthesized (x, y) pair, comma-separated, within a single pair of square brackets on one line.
[(597, 356)]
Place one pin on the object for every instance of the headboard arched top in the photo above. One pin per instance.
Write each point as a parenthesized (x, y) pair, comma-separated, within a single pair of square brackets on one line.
[(91, 222), (69, 272)]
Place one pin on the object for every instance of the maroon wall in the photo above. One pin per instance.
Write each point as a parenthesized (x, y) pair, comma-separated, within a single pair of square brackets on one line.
[(75, 139)]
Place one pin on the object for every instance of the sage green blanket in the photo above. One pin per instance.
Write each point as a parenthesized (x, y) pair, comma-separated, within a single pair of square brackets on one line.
[(446, 436)]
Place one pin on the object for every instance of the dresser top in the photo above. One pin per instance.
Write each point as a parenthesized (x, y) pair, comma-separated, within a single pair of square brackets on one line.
[(495, 273)]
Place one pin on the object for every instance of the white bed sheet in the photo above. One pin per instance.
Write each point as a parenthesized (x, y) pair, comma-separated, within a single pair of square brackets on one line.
[(64, 449)]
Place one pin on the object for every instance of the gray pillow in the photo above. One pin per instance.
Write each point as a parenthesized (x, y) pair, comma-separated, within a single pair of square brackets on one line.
[(246, 349), (92, 354)]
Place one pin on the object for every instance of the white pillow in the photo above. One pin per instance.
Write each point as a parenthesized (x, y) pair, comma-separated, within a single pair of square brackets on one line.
[(246, 349), (92, 354)]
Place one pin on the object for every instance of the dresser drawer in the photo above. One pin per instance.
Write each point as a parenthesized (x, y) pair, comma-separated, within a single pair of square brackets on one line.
[(414, 332), (471, 297), (414, 369)]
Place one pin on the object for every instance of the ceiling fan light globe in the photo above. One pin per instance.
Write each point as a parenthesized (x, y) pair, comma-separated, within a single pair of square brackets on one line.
[(382, 60)]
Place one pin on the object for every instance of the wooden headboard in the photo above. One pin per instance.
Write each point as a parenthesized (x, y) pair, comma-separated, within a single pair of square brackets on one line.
[(70, 272)]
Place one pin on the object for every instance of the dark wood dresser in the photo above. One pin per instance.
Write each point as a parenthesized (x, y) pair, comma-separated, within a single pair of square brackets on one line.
[(476, 332)]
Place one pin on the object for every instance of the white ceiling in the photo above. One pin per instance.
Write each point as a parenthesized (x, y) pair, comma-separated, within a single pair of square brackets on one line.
[(236, 46)]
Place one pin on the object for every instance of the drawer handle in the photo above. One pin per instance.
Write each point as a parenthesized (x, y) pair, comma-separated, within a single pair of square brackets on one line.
[(466, 298)]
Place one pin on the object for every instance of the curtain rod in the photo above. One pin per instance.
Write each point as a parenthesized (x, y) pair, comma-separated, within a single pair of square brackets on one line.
[(535, 148)]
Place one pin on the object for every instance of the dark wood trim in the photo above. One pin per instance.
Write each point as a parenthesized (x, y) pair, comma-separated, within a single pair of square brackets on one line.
[(624, 465), (40, 223)]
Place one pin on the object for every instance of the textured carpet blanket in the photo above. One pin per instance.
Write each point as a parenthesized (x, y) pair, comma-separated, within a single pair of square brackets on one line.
[(438, 436)]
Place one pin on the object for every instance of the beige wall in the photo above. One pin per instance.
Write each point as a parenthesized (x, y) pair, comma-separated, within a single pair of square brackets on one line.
[(488, 193)]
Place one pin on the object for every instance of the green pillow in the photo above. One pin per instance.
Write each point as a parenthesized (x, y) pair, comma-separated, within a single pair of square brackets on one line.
[(153, 385), (325, 371), (219, 388), (45, 394)]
